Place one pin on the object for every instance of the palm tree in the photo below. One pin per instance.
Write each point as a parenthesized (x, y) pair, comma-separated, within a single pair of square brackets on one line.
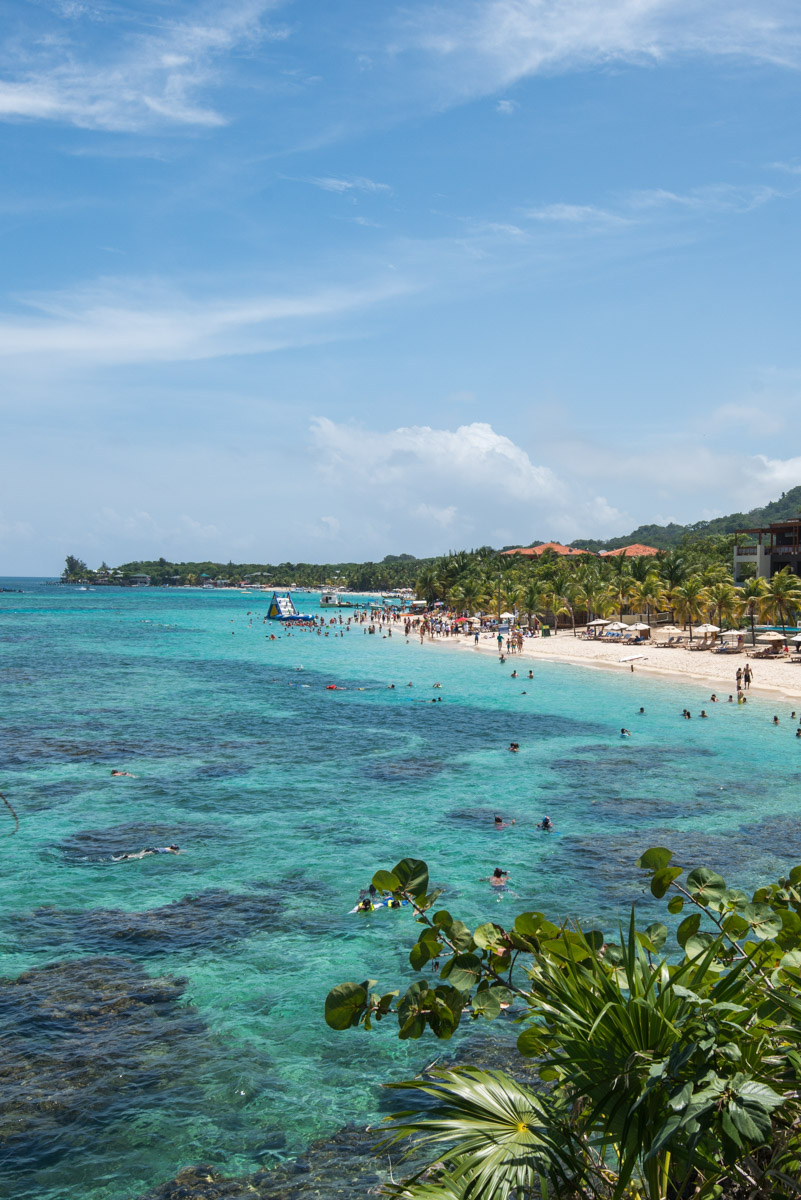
[(782, 596), (690, 601), (723, 600), (649, 593), (530, 601), (427, 584), (620, 590), (751, 597), (673, 569), (473, 596)]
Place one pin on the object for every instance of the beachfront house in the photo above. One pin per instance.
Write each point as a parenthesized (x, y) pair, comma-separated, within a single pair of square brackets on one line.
[(769, 549)]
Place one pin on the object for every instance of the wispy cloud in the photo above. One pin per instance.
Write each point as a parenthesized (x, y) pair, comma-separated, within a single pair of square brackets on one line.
[(489, 45), (506, 107), (147, 80), (575, 214), (358, 183), (122, 321)]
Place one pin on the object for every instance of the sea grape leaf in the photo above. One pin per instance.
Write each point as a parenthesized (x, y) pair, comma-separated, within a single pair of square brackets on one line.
[(412, 875), (462, 971), (675, 904), (385, 881), (764, 922), (705, 886), (662, 880), (657, 935), (698, 943), (345, 1004), (687, 928), (488, 935), (655, 859)]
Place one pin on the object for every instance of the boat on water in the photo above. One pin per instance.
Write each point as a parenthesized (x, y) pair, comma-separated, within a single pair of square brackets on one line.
[(334, 599)]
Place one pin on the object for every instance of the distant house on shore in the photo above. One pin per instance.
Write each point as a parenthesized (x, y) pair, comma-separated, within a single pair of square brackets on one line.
[(635, 550), (139, 579), (536, 551)]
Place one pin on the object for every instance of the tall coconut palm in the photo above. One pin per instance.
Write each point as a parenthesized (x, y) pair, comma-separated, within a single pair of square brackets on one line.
[(473, 595), (723, 601), (689, 599), (619, 590), (648, 594), (751, 597), (428, 585), (782, 596), (673, 569)]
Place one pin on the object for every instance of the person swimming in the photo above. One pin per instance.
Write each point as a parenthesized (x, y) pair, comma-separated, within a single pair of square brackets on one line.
[(501, 824), (119, 774), (498, 878), (625, 733), (514, 747), (173, 849)]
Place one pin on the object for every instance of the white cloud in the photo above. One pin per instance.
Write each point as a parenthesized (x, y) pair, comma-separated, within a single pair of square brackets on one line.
[(506, 107), (474, 457), (574, 214), (118, 321), (444, 517), (357, 184), (775, 474), (484, 45), (149, 79)]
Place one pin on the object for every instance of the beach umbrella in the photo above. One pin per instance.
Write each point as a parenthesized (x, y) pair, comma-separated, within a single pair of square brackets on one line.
[(507, 616), (616, 625), (707, 629), (639, 625), (771, 635), (597, 621)]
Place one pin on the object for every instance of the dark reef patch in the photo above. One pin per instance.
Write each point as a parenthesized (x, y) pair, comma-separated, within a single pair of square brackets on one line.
[(80, 1039), (101, 845), (405, 770), (210, 918)]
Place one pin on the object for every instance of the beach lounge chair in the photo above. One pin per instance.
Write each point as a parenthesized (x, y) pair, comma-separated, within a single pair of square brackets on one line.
[(663, 645)]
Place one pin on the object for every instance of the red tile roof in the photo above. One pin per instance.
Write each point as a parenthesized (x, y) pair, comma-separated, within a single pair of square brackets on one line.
[(535, 551), (636, 550)]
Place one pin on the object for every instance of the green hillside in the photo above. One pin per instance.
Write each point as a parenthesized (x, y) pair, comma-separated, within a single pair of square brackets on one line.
[(666, 536)]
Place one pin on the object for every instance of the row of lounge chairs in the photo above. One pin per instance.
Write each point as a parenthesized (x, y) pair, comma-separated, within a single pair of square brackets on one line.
[(681, 642)]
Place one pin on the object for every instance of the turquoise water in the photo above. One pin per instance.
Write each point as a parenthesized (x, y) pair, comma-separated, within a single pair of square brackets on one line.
[(285, 798)]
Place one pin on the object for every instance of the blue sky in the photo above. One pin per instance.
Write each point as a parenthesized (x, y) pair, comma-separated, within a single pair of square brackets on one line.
[(332, 280)]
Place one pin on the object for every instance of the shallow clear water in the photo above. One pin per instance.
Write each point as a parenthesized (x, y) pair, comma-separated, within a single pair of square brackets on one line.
[(286, 797)]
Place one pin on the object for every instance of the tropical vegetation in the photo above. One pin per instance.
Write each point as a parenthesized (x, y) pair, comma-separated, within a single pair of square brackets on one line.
[(661, 1065)]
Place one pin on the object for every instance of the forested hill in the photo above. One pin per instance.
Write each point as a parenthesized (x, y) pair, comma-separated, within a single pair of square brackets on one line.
[(665, 536)]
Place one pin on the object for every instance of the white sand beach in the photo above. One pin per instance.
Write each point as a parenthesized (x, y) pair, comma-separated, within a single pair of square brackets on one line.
[(778, 677)]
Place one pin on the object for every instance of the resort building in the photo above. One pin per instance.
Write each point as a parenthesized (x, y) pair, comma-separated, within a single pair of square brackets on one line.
[(770, 548), (536, 551), (635, 550)]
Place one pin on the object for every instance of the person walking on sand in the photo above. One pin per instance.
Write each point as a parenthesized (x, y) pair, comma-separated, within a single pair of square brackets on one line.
[(739, 678), (747, 675)]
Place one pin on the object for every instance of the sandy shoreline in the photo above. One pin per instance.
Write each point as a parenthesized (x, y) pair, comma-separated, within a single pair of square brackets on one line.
[(777, 678)]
